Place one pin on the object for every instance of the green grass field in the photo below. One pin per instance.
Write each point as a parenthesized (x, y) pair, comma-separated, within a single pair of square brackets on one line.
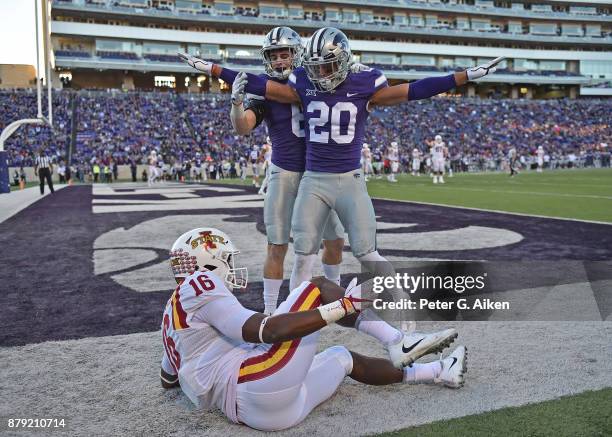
[(586, 414), (577, 194)]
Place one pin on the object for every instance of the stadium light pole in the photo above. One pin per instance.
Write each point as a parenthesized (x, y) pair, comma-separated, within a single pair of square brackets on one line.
[(41, 119)]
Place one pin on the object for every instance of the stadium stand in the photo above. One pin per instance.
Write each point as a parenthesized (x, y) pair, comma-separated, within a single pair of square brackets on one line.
[(122, 125)]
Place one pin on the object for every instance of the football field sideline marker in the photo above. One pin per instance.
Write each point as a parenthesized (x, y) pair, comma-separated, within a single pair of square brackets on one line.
[(496, 211)]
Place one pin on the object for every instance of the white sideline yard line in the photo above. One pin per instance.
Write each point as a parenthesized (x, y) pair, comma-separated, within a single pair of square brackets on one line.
[(496, 211), (537, 193), (15, 201)]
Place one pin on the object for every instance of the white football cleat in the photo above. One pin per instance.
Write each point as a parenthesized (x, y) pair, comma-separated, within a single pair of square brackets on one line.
[(454, 368), (415, 345), (441, 180), (435, 180)]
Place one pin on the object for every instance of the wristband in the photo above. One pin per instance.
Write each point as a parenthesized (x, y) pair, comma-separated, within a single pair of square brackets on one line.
[(261, 327)]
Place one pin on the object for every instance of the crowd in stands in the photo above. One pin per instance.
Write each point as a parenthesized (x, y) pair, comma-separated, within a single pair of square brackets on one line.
[(121, 128)]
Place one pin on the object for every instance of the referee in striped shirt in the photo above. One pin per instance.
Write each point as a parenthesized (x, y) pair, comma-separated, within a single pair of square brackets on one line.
[(44, 169)]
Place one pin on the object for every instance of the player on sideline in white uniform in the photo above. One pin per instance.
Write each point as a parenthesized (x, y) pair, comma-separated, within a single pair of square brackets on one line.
[(416, 162), (512, 161), (437, 159), (281, 54), (264, 371), (540, 154), (393, 155), (266, 157), (254, 157), (152, 168), (366, 161)]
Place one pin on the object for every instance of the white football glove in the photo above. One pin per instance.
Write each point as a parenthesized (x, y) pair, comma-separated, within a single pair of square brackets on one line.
[(482, 70), (197, 63), (239, 87), (357, 67), (353, 293)]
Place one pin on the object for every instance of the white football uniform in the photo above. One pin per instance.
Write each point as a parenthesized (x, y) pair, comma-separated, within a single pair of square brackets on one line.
[(540, 157), (202, 335), (265, 386), (254, 158), (437, 157), (366, 161), (416, 160), (394, 158)]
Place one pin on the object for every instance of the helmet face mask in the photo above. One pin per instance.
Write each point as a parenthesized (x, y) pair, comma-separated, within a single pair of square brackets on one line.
[(281, 52), (327, 59), (207, 249)]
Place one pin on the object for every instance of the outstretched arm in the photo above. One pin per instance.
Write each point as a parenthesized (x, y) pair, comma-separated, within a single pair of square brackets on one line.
[(336, 305), (430, 86), (255, 84)]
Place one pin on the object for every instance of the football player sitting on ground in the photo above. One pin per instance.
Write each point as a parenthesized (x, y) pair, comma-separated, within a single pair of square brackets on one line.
[(263, 371)]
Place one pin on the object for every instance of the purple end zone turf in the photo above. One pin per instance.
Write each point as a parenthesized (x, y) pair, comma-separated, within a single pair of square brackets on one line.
[(49, 290)]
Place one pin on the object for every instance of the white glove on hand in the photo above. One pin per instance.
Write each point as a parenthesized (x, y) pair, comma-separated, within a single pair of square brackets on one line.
[(197, 63), (238, 88), (353, 293), (482, 70), (357, 67)]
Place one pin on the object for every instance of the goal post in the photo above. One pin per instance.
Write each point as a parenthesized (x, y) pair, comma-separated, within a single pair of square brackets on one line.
[(5, 186)]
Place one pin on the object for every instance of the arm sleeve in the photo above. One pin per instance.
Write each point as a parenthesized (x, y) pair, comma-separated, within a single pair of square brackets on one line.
[(430, 86), (256, 85), (259, 109), (225, 314)]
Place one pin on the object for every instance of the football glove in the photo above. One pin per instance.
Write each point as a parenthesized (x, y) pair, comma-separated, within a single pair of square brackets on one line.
[(238, 88), (484, 69), (357, 67), (197, 63)]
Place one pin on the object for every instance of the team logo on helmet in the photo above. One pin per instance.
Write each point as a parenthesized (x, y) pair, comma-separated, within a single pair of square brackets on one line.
[(208, 240)]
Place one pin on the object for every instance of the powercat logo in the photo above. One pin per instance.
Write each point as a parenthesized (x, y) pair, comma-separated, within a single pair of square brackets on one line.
[(208, 240)]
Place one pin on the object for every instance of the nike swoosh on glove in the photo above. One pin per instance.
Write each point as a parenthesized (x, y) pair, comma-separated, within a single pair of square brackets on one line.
[(238, 88), (197, 63), (484, 69)]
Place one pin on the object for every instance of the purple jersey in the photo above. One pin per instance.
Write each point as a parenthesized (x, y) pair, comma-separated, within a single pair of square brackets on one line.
[(285, 127), (335, 122)]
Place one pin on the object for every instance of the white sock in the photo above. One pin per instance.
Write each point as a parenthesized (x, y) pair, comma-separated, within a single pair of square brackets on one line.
[(421, 373), (270, 294), (302, 270), (332, 272), (369, 323)]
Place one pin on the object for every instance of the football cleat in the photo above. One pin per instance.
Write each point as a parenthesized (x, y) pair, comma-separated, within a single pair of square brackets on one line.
[(415, 345), (454, 368)]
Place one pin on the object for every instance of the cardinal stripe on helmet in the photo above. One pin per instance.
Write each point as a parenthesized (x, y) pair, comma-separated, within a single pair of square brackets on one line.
[(278, 355)]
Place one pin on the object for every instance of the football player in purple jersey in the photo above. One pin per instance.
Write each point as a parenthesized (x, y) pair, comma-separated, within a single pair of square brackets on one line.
[(281, 53)]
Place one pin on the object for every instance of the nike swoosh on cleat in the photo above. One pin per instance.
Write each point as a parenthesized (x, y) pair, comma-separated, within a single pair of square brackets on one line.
[(351, 94), (454, 361), (406, 350)]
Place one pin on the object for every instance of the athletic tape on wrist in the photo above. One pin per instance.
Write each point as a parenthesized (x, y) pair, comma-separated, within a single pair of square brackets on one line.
[(334, 311)]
